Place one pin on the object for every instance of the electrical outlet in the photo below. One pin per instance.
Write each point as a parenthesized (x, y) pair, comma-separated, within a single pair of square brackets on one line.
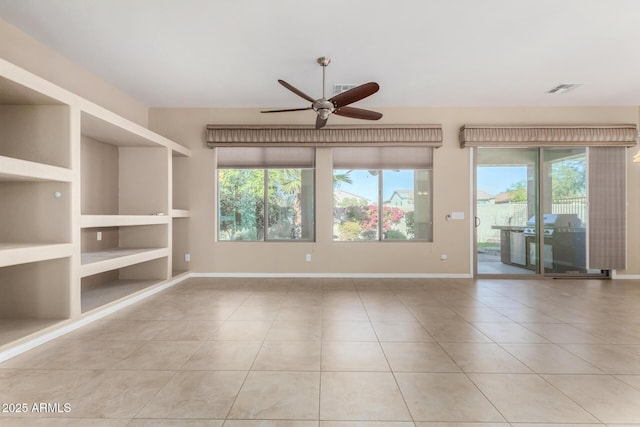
[(99, 235), (308, 258), (443, 257), (187, 257)]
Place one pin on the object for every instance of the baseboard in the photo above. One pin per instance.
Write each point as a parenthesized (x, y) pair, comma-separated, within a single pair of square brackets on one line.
[(616, 276), (337, 275)]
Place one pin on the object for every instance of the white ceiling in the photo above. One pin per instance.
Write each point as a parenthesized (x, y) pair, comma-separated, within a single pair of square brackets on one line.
[(229, 53)]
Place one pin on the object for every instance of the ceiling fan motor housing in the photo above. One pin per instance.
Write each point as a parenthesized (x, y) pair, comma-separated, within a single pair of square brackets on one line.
[(323, 107)]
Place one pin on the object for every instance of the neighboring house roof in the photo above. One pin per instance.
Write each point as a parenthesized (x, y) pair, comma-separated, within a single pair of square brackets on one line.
[(483, 195), (402, 194), (504, 197)]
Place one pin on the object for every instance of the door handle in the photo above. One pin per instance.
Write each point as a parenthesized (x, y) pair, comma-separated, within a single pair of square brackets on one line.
[(477, 221)]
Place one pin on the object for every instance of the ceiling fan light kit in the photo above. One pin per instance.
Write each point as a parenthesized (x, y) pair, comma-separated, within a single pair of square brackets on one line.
[(337, 104)]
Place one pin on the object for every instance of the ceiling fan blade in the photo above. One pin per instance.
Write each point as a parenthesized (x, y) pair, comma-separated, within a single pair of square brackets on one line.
[(355, 94), (296, 91), (286, 110), (320, 122), (358, 113)]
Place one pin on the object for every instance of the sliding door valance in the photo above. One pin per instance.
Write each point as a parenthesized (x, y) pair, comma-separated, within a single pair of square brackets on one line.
[(548, 136), (329, 136)]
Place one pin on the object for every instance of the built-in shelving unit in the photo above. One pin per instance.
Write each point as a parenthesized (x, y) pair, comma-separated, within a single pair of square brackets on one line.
[(180, 213), (88, 212)]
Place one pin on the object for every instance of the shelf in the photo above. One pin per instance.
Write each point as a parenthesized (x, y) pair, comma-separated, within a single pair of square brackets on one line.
[(113, 259), (15, 329), (23, 253), (180, 213), (89, 221), (12, 169), (105, 126), (112, 291)]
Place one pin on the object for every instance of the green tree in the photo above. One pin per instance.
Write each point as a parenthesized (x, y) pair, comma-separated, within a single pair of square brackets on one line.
[(569, 179), (518, 192)]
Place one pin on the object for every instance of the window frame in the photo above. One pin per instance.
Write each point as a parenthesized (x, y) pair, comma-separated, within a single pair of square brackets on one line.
[(265, 201), (380, 205)]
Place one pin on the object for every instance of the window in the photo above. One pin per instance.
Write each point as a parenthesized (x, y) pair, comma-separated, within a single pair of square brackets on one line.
[(265, 203), (388, 200)]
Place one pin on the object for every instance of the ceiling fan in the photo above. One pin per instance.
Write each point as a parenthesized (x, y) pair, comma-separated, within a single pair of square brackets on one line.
[(337, 104)]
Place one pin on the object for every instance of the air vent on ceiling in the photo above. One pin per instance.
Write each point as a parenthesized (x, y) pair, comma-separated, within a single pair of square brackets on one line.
[(565, 87), (342, 87)]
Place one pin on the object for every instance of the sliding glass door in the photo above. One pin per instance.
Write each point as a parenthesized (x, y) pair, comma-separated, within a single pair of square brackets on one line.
[(506, 202), (531, 211)]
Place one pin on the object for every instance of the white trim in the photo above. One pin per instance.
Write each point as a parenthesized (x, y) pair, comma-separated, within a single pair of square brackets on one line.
[(616, 276), (340, 275), (83, 321)]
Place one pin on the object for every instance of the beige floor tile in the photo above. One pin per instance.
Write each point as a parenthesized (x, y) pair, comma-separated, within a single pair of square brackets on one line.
[(387, 312), (509, 333), (484, 358), (455, 332), (562, 333), (366, 424), (119, 330), (302, 314), (255, 312), (401, 331), (435, 314), (159, 355), (71, 354), (195, 394), (480, 314), (117, 394), (209, 312), (242, 330), (269, 423), (62, 422), (288, 356), (189, 330), (361, 396), (41, 385), (525, 315), (418, 357), (155, 308), (444, 424), (632, 380), (344, 312), (353, 356), (336, 330), (223, 356), (613, 359), (550, 359), (614, 333), (445, 397), (278, 395), (295, 330), (175, 423), (606, 397), (529, 398)]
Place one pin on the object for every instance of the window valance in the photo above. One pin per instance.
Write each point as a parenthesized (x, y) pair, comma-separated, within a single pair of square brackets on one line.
[(329, 136), (545, 136)]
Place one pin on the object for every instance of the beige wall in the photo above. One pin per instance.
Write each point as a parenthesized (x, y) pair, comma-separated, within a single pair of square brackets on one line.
[(452, 192), (452, 186), (28, 53)]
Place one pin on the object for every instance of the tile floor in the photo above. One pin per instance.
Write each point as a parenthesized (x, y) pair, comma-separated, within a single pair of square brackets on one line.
[(344, 353)]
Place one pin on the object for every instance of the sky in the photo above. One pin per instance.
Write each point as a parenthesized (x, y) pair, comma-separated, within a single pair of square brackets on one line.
[(491, 179), (497, 179), (366, 185)]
